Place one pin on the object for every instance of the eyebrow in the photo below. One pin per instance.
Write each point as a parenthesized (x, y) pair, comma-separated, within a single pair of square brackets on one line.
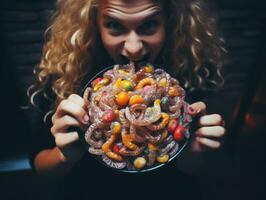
[(154, 14)]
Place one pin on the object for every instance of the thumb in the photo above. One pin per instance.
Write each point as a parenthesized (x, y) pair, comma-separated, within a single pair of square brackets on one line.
[(197, 108)]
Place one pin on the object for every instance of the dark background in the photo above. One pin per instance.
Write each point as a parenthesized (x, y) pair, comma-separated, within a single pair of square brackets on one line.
[(237, 171)]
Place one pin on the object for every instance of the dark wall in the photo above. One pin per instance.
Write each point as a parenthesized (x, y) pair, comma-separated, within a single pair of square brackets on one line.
[(22, 34)]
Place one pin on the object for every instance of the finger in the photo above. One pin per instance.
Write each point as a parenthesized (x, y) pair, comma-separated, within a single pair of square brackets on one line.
[(197, 108), (63, 123), (73, 109), (208, 142), (210, 120), (64, 139), (77, 100), (211, 131)]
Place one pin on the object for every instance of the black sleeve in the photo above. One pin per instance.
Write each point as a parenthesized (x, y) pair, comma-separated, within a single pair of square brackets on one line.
[(40, 135)]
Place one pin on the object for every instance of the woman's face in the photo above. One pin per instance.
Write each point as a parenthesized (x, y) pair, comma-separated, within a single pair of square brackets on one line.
[(131, 30)]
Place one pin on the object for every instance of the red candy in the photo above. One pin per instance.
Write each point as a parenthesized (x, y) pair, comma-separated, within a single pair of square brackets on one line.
[(173, 123), (108, 116), (95, 81), (116, 148), (179, 133)]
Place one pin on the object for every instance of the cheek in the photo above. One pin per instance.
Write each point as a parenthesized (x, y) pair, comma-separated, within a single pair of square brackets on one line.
[(110, 43), (156, 42)]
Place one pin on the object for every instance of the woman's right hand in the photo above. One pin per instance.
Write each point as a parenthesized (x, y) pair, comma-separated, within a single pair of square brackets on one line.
[(70, 113)]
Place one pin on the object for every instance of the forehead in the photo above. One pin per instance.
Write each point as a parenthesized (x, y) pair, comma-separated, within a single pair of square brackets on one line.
[(127, 8)]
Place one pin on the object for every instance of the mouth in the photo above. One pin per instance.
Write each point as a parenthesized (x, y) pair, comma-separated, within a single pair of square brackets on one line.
[(139, 63)]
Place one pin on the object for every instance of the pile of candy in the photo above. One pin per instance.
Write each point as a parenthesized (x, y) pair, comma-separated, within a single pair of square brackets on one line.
[(138, 119)]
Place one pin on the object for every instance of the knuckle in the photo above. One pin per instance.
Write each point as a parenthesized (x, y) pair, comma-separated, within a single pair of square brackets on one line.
[(63, 140), (202, 105), (67, 119), (74, 97), (53, 119), (78, 114), (52, 129), (64, 104), (70, 121), (59, 141)]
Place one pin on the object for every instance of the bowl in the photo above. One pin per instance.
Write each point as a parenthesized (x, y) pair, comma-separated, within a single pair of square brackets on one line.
[(154, 154)]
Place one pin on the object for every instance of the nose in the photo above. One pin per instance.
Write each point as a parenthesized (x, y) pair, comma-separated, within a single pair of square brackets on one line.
[(133, 47)]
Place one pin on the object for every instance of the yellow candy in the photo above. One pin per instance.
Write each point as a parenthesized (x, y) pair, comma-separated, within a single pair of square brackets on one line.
[(152, 147), (157, 101), (97, 87), (149, 68), (104, 81), (101, 83), (136, 99), (118, 82), (127, 85), (139, 162), (162, 159), (116, 127), (163, 82), (123, 72)]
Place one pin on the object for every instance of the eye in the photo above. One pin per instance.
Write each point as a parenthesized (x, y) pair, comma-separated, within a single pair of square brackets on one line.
[(149, 27), (115, 26)]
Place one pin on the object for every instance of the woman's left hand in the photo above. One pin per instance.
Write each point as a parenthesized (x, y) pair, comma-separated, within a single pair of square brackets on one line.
[(211, 129)]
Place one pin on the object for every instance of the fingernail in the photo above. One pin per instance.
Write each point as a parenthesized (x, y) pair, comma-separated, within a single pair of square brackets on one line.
[(191, 110), (85, 118)]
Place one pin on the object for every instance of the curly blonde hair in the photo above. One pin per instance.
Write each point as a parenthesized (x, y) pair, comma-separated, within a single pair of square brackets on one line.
[(193, 50)]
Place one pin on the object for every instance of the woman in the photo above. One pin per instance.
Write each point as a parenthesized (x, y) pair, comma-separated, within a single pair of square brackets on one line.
[(88, 34)]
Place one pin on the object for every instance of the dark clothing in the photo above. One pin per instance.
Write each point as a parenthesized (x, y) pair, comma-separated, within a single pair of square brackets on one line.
[(89, 178)]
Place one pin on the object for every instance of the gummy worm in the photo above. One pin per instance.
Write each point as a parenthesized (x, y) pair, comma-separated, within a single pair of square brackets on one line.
[(123, 151), (127, 140), (95, 151), (160, 126), (114, 164), (106, 148), (144, 82), (88, 137)]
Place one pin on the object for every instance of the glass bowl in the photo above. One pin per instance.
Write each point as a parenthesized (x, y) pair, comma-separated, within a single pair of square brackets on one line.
[(103, 159)]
